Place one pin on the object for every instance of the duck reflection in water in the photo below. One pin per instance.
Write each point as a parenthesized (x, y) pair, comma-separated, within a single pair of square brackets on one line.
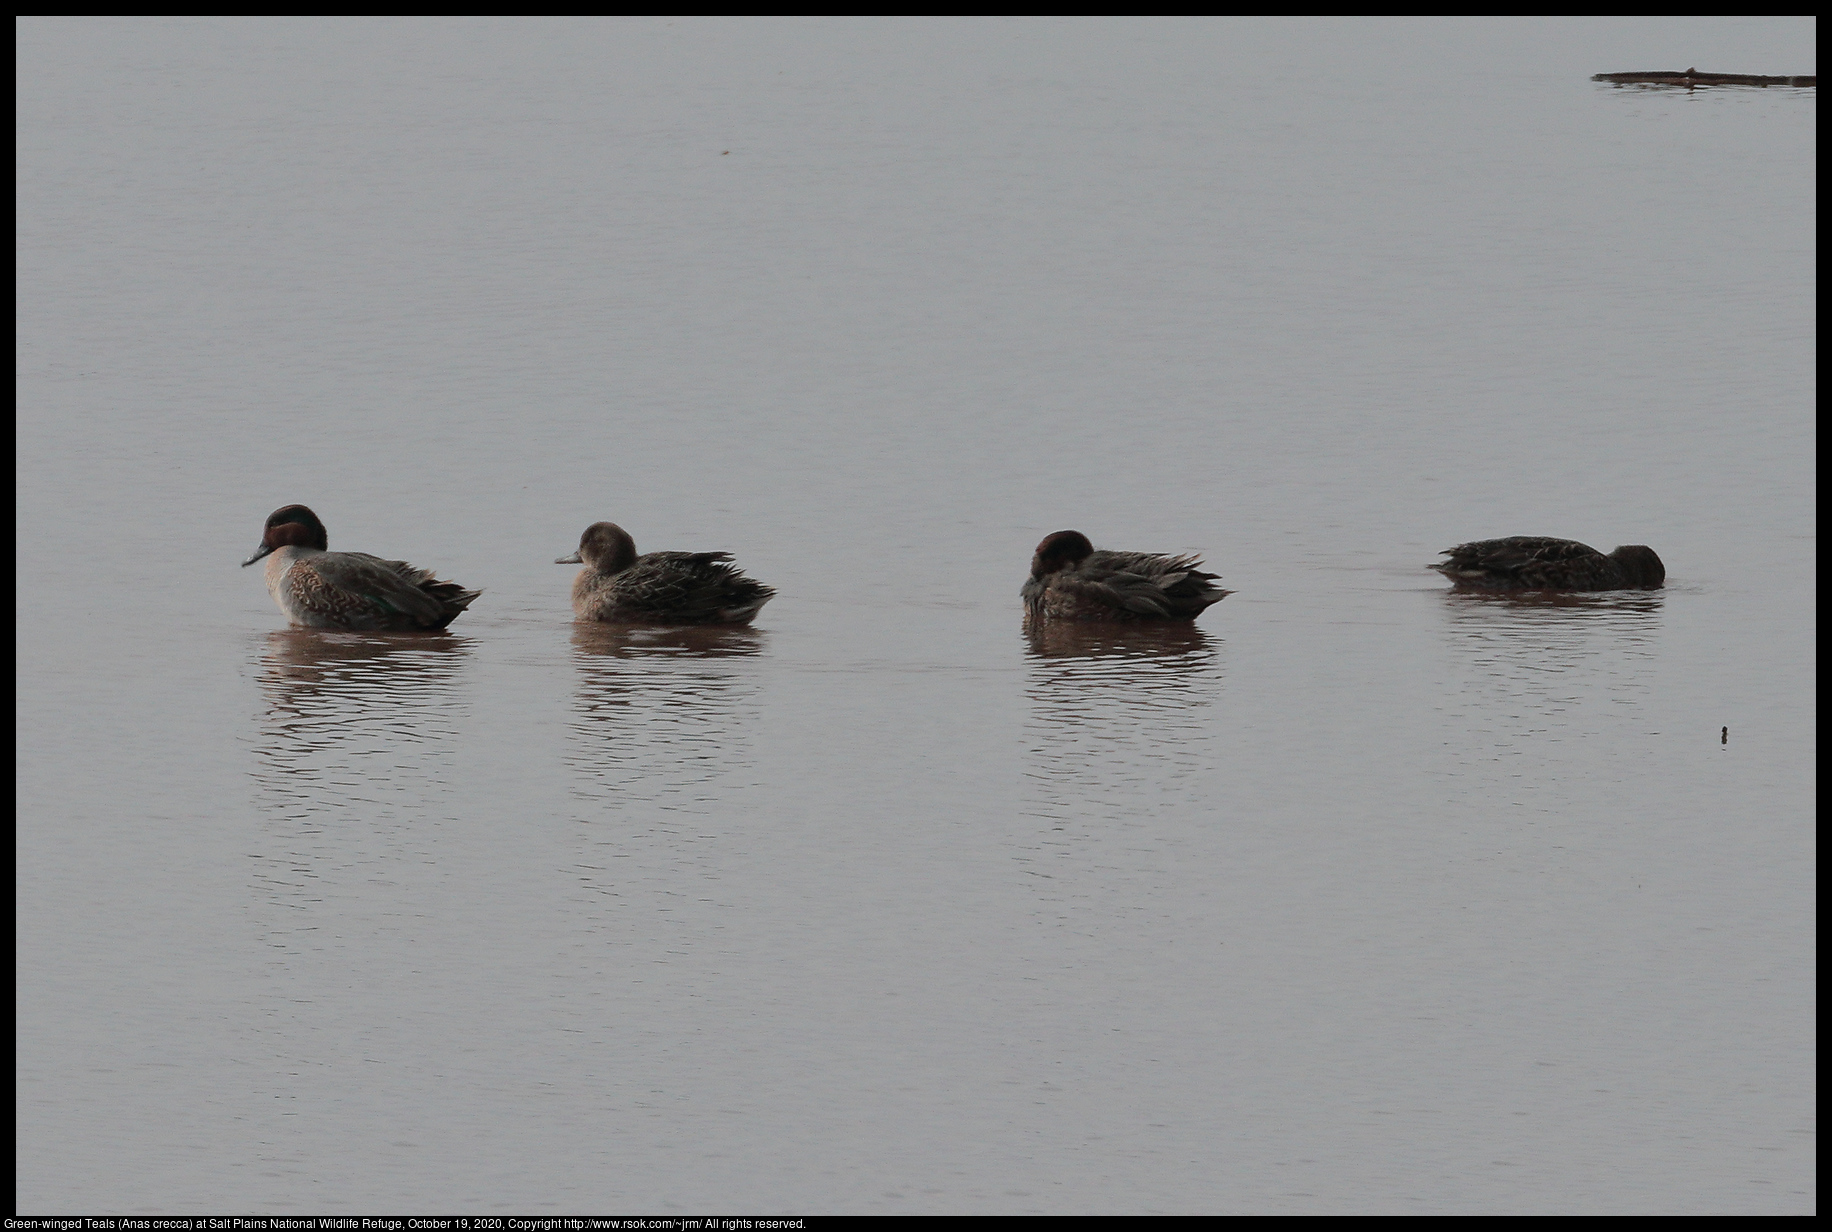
[(1120, 720), (1552, 648), (662, 716), (357, 668), (1625, 602), (1057, 639), (328, 692), (352, 761), (663, 641)]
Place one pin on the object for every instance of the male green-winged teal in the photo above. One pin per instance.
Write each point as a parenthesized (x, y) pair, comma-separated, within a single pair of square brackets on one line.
[(678, 588), (1529, 562), (319, 589), (1071, 581)]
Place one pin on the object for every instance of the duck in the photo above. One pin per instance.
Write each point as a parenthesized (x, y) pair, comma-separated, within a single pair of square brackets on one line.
[(1071, 581), (677, 588), (1530, 562), (320, 589)]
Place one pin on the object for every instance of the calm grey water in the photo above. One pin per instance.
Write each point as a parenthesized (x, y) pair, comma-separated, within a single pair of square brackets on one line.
[(1360, 897)]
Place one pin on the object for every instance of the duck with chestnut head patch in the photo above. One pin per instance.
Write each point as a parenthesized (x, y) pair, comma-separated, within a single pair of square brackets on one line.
[(321, 589), (1071, 581), (1529, 562), (677, 588)]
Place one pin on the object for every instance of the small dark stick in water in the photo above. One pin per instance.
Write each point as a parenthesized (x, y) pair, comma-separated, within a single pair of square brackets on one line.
[(1724, 736)]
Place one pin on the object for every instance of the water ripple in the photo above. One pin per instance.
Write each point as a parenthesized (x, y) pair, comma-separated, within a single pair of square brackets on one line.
[(356, 747), (1119, 719), (662, 716)]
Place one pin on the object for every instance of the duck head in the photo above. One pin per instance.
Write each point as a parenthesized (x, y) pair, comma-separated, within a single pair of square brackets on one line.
[(605, 547), (291, 525), (1062, 550), (1640, 566)]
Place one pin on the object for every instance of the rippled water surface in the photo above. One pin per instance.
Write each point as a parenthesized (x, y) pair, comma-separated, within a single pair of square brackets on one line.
[(1358, 896)]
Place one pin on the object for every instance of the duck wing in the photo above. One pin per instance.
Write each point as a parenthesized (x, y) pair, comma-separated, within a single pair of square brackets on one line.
[(689, 586), (1514, 554), (1528, 560), (1144, 583), (391, 592)]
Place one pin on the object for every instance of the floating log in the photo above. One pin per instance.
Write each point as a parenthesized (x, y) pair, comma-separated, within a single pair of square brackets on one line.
[(1692, 77)]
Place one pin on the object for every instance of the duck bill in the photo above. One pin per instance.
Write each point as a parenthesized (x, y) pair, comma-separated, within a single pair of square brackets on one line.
[(265, 549), (569, 560)]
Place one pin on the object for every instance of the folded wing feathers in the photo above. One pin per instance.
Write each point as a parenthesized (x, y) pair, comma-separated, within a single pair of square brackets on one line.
[(392, 585), (1145, 583)]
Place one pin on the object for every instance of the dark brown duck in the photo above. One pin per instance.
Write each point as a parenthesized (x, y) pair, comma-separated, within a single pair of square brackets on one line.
[(1528, 562), (1071, 581)]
